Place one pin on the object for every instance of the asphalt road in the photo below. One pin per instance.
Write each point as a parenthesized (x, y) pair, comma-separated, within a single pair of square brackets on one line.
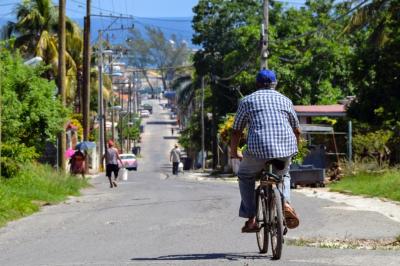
[(155, 218)]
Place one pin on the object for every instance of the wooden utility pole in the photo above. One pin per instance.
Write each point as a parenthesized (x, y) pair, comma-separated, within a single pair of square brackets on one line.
[(102, 141), (61, 80), (86, 74), (264, 35), (203, 160)]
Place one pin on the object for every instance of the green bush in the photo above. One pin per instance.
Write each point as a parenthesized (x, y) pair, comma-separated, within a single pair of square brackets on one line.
[(13, 157), (373, 145)]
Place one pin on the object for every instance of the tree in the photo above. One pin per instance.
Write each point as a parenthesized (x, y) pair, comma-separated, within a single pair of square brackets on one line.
[(312, 63), (375, 75), (227, 33), (31, 114), (157, 51), (185, 87), (375, 16), (35, 33)]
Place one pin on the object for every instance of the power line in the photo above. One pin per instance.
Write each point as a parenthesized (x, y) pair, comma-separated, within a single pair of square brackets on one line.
[(246, 64), (100, 9), (291, 2), (162, 27), (137, 17), (156, 69), (8, 4), (6, 14), (166, 19), (323, 27)]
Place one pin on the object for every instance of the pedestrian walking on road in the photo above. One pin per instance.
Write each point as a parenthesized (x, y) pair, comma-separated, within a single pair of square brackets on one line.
[(77, 163), (175, 158), (112, 157), (172, 131)]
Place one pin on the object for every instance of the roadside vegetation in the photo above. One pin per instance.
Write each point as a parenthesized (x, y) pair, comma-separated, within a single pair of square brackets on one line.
[(383, 184), (34, 186), (383, 244)]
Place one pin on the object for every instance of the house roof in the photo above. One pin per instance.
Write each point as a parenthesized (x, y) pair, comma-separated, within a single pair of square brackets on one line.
[(320, 110)]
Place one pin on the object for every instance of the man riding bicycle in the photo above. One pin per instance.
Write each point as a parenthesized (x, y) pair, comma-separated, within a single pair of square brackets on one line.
[(273, 134)]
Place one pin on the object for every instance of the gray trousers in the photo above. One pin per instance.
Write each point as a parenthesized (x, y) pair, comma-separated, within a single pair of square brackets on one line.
[(249, 168)]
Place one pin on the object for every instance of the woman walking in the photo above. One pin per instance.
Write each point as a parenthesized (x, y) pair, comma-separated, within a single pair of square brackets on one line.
[(112, 158)]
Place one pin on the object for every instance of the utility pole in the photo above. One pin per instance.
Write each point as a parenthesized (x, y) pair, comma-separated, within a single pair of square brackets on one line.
[(86, 74), (100, 100), (112, 92), (62, 145), (129, 113), (203, 161), (264, 35)]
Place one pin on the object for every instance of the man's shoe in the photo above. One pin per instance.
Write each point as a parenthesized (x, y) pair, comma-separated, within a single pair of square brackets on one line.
[(247, 228), (291, 218)]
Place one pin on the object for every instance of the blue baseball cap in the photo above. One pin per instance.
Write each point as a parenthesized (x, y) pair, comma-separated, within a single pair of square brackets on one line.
[(266, 76)]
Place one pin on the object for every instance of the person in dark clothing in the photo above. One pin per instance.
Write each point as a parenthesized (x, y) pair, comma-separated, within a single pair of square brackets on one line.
[(77, 162)]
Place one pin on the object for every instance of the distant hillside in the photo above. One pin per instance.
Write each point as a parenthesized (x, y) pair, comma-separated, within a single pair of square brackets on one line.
[(178, 26)]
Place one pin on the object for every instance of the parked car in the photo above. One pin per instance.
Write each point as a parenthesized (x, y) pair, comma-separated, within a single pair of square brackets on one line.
[(147, 107), (144, 113), (128, 161)]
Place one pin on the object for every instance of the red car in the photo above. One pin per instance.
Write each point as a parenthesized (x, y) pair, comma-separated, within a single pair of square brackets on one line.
[(128, 161)]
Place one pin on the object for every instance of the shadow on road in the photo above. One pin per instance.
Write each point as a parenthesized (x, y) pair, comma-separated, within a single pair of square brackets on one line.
[(161, 123), (171, 137), (210, 256)]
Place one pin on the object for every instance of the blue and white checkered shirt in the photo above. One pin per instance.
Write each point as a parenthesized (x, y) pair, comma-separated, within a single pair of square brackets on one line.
[(271, 118)]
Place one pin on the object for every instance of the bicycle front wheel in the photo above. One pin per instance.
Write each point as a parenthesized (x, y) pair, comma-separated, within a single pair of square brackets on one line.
[(275, 217), (261, 218)]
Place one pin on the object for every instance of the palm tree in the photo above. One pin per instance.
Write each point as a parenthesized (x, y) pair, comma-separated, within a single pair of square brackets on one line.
[(36, 35), (377, 15), (185, 88)]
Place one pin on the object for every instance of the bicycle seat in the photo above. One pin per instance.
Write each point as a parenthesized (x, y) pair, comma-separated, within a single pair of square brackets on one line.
[(278, 164)]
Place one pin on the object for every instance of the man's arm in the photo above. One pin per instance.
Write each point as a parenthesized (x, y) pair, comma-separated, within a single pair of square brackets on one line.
[(294, 123), (235, 138), (119, 158), (239, 125), (297, 133)]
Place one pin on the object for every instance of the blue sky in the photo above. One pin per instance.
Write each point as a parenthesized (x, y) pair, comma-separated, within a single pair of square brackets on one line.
[(139, 8)]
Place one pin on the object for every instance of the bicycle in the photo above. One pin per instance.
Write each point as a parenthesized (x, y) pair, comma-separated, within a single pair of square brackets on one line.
[(269, 206)]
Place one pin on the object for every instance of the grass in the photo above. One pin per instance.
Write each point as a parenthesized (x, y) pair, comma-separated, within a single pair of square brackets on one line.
[(383, 184), (36, 185)]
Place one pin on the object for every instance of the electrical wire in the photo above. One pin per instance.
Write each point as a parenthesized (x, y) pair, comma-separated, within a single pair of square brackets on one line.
[(162, 27), (112, 12), (8, 4), (321, 28)]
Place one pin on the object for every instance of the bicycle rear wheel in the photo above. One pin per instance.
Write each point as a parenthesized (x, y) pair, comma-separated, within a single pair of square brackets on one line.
[(275, 218), (261, 218)]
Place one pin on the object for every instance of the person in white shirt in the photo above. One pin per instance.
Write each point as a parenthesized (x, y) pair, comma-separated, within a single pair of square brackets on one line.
[(175, 158)]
